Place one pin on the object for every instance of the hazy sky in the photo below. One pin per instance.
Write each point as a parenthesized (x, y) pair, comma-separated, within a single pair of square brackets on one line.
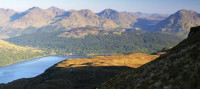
[(148, 6)]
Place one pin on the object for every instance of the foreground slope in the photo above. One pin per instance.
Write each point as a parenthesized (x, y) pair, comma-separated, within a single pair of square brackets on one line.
[(82, 73), (10, 53), (177, 69)]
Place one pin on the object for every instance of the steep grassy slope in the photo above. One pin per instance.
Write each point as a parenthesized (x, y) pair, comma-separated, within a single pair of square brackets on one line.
[(10, 53), (101, 44), (82, 73), (177, 69)]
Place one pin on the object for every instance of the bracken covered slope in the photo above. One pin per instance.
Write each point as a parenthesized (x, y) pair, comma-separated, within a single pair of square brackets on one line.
[(179, 68), (132, 60)]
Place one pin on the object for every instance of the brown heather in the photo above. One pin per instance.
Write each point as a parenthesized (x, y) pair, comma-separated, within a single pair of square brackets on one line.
[(132, 60)]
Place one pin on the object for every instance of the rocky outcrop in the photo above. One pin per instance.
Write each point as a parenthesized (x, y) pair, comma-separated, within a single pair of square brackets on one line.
[(193, 31)]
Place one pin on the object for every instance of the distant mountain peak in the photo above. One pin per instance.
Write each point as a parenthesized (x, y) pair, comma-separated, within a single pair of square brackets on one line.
[(186, 12), (2, 9), (108, 12), (55, 11), (86, 12), (53, 7), (35, 8), (122, 19), (179, 22), (7, 10)]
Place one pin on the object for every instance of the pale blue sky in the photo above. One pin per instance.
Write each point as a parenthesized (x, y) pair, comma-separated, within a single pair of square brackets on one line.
[(148, 6)]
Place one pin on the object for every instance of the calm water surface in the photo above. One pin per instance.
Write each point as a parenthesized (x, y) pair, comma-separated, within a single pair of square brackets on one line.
[(30, 68)]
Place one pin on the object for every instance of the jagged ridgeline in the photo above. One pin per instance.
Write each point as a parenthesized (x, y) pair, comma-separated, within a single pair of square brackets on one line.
[(14, 23), (179, 68), (10, 53)]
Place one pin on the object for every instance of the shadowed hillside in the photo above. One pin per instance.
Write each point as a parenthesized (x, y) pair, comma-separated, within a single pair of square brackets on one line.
[(177, 69), (86, 73)]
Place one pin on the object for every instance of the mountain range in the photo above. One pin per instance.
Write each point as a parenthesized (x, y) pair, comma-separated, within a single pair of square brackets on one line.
[(14, 23)]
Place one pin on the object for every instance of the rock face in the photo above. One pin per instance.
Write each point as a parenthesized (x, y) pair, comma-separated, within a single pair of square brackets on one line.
[(180, 22), (179, 68)]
